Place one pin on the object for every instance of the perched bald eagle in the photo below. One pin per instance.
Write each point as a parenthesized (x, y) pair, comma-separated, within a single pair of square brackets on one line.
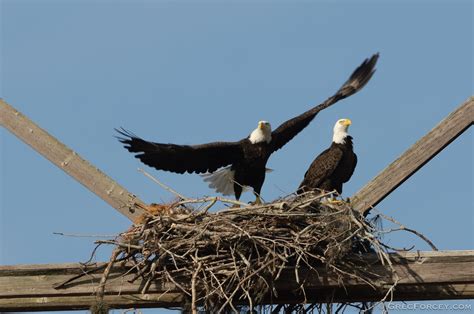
[(335, 165), (245, 160)]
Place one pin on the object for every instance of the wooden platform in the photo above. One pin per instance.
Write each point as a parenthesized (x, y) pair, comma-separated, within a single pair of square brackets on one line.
[(442, 275)]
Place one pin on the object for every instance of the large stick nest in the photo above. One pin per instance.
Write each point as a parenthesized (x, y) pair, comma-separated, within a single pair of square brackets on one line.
[(233, 256)]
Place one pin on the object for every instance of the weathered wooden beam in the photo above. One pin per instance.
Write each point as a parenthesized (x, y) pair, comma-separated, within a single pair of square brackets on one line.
[(415, 157), (422, 276), (70, 162)]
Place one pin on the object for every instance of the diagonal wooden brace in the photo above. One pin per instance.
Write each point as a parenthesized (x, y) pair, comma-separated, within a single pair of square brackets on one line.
[(70, 162), (415, 157)]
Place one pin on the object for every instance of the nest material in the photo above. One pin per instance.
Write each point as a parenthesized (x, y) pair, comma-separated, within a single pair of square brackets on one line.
[(233, 256)]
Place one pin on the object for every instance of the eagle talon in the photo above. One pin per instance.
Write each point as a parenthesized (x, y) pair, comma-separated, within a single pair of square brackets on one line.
[(330, 201), (258, 201), (336, 202)]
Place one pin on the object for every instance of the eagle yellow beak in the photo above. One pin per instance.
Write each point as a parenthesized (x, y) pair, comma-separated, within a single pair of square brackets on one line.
[(261, 125), (347, 122)]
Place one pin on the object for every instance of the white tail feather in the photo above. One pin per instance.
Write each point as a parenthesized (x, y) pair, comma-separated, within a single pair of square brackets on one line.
[(222, 180)]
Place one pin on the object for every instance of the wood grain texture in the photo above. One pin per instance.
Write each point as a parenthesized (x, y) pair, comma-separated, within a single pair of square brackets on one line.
[(415, 157), (422, 276), (70, 162)]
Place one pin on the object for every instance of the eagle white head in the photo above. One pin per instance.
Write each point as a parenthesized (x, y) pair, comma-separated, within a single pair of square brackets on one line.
[(263, 133), (340, 131)]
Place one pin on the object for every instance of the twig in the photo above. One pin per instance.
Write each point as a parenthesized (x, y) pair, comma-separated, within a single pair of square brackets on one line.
[(193, 288), (92, 255), (206, 209), (105, 275), (123, 245), (210, 199), (83, 235), (402, 227), (87, 272), (164, 186)]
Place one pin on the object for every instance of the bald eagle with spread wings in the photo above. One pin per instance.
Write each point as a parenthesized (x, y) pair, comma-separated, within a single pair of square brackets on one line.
[(231, 166)]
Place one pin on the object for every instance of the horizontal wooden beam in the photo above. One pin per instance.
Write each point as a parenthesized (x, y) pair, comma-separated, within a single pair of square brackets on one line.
[(415, 157), (422, 276), (70, 162)]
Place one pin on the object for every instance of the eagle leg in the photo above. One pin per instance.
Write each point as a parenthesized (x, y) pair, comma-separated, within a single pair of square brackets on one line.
[(258, 200)]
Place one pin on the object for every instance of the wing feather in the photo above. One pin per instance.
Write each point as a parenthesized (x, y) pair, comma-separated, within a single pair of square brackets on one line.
[(181, 158), (289, 129), (350, 168)]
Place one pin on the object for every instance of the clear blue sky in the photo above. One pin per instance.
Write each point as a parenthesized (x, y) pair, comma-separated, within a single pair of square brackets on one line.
[(193, 72)]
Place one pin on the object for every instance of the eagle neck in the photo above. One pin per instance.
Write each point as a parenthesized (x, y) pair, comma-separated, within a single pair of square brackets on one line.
[(260, 136), (346, 144), (340, 137)]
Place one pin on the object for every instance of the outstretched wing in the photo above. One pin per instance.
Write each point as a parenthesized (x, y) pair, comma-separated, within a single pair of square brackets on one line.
[(289, 129), (181, 158), (321, 168)]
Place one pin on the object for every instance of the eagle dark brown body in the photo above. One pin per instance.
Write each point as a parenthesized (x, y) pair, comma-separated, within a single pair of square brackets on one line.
[(250, 170), (331, 169)]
